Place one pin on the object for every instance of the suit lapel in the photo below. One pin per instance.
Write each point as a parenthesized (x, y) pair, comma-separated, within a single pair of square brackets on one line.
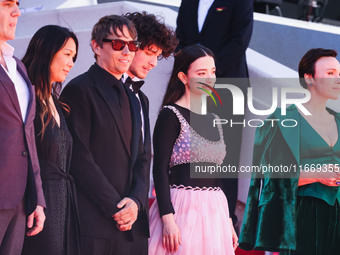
[(291, 134), (195, 15), (9, 87), (210, 13), (336, 115), (136, 125), (111, 99), (145, 108)]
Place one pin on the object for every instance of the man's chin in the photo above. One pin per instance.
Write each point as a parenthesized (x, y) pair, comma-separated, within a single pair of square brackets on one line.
[(12, 37), (141, 76)]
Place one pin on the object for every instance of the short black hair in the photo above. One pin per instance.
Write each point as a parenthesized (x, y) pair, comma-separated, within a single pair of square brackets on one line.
[(111, 24), (307, 62)]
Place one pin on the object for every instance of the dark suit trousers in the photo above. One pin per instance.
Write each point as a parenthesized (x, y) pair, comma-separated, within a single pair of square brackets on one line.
[(12, 230), (93, 245), (118, 246), (140, 242)]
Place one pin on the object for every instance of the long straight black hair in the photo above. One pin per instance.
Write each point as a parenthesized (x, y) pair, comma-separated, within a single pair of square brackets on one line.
[(183, 60), (44, 45)]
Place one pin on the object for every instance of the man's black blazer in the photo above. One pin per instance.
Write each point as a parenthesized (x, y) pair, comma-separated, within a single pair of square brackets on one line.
[(226, 31), (105, 168), (147, 136), (143, 222)]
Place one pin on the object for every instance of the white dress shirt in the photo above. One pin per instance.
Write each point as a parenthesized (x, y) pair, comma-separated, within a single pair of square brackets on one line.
[(203, 8), (20, 84)]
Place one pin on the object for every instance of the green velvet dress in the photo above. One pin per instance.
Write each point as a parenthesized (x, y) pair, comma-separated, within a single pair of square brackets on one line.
[(279, 215), (318, 211)]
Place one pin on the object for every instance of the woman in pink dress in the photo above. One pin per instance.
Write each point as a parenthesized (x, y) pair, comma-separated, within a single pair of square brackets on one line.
[(190, 215)]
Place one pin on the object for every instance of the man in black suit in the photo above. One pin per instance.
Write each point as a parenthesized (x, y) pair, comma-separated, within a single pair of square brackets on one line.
[(225, 27), (109, 164), (157, 41)]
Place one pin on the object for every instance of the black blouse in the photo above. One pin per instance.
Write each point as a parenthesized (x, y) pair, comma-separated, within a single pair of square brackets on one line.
[(166, 131)]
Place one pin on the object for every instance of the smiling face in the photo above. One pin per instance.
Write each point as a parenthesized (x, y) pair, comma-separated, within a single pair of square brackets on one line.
[(9, 13), (200, 71), (63, 61), (114, 61), (144, 61), (326, 81)]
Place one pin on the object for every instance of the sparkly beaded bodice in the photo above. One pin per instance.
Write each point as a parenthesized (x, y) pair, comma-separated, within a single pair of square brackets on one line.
[(190, 147)]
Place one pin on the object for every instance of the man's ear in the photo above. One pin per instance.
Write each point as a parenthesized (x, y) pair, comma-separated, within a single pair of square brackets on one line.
[(96, 47)]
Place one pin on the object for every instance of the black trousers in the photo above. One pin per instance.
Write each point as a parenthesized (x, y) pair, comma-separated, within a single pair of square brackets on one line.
[(118, 246)]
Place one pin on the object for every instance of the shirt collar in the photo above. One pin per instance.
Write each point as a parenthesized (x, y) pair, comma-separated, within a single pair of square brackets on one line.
[(125, 76), (7, 50)]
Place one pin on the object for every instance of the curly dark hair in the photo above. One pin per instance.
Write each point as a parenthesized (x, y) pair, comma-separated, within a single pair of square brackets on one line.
[(152, 30)]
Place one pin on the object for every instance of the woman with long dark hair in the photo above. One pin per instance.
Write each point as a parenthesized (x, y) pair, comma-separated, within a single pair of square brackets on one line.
[(190, 216), (50, 56)]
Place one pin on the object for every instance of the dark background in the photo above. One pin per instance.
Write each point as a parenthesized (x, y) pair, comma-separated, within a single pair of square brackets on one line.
[(289, 8)]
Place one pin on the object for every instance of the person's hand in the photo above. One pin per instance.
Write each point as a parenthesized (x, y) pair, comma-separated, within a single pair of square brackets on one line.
[(233, 235), (333, 181), (331, 177), (328, 175), (171, 233), (127, 216), (35, 221)]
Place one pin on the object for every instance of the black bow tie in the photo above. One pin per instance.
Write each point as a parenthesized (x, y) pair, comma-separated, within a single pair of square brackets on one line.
[(136, 85)]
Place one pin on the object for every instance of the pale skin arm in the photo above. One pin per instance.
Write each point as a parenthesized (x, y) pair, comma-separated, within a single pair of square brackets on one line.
[(234, 235), (329, 177), (171, 233), (35, 221), (126, 216)]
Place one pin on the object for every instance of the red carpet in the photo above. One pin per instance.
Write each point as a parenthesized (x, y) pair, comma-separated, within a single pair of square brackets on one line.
[(243, 252)]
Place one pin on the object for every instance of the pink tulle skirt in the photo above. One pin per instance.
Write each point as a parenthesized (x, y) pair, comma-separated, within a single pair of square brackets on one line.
[(203, 219)]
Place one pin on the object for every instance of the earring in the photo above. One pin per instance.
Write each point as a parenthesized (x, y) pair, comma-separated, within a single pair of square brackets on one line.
[(311, 85)]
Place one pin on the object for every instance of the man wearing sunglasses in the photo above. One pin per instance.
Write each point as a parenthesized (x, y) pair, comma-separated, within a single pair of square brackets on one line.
[(109, 164), (156, 41)]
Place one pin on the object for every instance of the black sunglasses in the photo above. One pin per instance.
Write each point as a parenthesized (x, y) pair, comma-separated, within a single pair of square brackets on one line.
[(120, 44)]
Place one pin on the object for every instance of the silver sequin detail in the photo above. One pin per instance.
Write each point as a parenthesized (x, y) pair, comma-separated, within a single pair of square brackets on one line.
[(190, 147)]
